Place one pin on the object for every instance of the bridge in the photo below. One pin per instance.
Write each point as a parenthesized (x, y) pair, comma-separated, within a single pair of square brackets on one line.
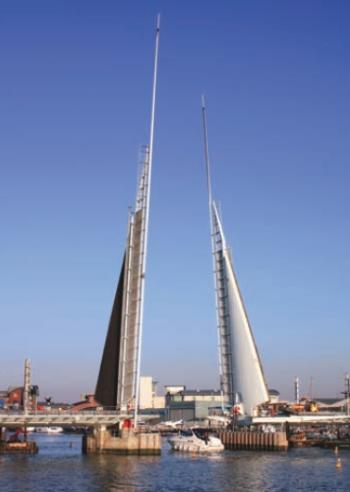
[(119, 375), (303, 419), (65, 419)]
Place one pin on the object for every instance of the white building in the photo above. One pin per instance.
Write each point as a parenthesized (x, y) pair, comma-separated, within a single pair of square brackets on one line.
[(148, 394)]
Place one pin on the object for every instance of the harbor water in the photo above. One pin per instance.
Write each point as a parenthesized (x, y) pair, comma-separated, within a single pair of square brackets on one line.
[(60, 466)]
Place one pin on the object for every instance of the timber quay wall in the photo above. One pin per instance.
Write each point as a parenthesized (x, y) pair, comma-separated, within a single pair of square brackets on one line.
[(252, 440)]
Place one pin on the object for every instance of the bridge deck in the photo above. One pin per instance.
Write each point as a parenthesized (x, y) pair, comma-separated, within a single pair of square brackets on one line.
[(77, 419), (304, 419)]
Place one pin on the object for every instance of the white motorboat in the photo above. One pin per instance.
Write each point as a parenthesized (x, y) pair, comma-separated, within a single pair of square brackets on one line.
[(50, 430), (173, 424), (195, 442), (54, 430)]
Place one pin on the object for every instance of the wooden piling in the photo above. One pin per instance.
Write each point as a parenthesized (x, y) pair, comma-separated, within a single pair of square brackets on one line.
[(254, 440)]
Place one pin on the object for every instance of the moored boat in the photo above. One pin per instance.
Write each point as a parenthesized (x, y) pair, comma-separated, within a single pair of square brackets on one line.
[(21, 447), (49, 429), (195, 442)]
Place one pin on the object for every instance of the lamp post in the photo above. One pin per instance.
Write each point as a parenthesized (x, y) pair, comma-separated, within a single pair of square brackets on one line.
[(347, 393)]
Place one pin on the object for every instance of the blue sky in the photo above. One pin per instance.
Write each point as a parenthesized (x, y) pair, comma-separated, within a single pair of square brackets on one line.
[(75, 86)]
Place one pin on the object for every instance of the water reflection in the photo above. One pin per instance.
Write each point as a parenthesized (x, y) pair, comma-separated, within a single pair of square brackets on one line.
[(122, 473), (60, 466)]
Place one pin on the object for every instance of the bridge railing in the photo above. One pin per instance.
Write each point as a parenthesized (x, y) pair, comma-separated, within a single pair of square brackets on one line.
[(60, 411)]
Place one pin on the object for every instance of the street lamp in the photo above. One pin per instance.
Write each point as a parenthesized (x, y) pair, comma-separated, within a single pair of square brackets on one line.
[(347, 393)]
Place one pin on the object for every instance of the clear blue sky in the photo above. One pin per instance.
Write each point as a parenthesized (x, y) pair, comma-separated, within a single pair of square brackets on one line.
[(75, 85)]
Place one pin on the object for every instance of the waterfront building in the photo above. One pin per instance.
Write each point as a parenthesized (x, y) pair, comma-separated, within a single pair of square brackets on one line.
[(3, 398), (274, 396), (333, 404), (148, 394), (213, 396), (172, 389), (178, 402), (191, 404), (15, 396), (87, 403)]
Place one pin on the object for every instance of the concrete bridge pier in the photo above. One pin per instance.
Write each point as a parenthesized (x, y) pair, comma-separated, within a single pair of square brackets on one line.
[(123, 442)]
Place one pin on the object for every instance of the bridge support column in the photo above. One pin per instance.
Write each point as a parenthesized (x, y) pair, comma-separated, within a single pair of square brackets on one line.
[(128, 441)]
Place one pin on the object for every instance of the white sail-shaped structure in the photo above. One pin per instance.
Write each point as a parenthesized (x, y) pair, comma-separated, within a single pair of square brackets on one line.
[(241, 375)]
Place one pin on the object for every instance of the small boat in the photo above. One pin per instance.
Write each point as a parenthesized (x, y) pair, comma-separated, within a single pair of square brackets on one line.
[(54, 430), (195, 442), (50, 430), (20, 447)]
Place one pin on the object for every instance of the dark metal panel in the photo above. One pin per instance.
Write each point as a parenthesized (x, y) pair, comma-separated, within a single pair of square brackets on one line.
[(106, 388)]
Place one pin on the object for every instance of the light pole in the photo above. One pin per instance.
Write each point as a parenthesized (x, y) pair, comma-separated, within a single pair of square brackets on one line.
[(296, 390), (347, 393)]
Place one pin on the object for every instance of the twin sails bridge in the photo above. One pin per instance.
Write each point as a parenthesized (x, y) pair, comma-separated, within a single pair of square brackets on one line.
[(242, 379)]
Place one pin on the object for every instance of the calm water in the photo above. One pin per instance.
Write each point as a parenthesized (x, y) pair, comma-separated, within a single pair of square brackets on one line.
[(60, 466)]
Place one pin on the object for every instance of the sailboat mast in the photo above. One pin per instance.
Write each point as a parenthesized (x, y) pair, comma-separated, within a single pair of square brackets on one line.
[(146, 216)]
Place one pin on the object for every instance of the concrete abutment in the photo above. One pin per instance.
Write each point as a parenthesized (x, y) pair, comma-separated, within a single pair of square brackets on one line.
[(128, 441)]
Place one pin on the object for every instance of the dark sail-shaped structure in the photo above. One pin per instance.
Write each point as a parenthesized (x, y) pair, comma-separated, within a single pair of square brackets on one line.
[(106, 388), (118, 380)]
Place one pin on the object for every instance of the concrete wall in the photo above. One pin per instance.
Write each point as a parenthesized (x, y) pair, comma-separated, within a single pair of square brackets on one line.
[(129, 442)]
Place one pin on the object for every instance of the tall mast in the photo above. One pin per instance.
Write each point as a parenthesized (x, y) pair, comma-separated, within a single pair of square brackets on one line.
[(146, 217), (241, 375), (206, 153), (211, 202), (212, 235), (118, 380)]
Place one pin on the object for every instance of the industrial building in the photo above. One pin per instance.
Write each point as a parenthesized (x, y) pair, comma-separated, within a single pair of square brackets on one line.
[(186, 404), (12, 398), (148, 394), (178, 403)]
